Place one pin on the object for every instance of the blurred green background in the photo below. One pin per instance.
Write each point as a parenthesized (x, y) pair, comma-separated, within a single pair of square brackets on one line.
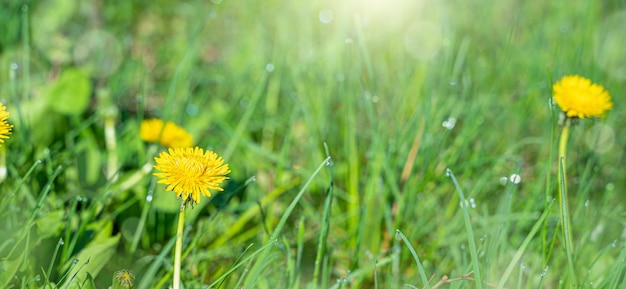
[(398, 90)]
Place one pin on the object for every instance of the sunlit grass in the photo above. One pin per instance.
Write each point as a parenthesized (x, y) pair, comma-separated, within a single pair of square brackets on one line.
[(339, 122)]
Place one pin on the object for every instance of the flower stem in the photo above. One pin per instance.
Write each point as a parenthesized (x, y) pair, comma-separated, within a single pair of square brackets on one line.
[(179, 245), (565, 223)]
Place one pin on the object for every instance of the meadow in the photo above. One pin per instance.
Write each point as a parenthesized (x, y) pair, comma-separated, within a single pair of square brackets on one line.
[(371, 144)]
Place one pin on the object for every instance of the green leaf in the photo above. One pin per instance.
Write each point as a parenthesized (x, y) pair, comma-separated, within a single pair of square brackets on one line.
[(70, 93)]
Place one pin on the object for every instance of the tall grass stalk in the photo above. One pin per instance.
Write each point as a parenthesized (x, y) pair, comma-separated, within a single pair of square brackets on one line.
[(323, 237), (468, 230), (420, 267)]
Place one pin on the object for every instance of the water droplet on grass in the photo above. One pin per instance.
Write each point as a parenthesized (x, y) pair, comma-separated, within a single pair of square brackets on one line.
[(269, 67), (504, 180), (515, 178), (14, 66), (449, 123), (472, 203), (448, 172), (149, 198), (544, 272), (586, 203)]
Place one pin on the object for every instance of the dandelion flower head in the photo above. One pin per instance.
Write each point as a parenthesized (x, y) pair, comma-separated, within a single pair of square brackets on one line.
[(191, 171), (579, 97), (124, 278), (5, 127), (172, 136)]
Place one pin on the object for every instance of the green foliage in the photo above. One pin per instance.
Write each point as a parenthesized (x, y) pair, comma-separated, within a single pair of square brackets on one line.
[(399, 91)]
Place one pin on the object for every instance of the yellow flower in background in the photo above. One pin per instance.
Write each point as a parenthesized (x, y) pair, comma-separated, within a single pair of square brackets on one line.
[(191, 171), (172, 136), (579, 97), (5, 127)]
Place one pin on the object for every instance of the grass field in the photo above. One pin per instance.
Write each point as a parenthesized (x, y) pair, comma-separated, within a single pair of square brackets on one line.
[(372, 144)]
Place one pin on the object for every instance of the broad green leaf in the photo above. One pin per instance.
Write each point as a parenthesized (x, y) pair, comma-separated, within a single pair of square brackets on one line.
[(70, 93)]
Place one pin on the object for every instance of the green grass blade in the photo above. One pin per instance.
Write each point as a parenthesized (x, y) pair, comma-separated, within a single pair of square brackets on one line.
[(522, 249), (258, 266), (468, 229), (420, 267)]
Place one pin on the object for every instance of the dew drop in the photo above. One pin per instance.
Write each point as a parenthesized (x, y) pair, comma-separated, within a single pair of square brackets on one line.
[(149, 198), (37, 278), (253, 179), (449, 123), (14, 66), (586, 203), (544, 272), (61, 242), (614, 244), (504, 180), (515, 178), (472, 203), (329, 162), (453, 83), (269, 67), (375, 99), (75, 261), (522, 266), (448, 172)]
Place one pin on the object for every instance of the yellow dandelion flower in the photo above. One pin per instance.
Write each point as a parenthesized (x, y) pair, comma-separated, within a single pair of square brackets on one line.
[(579, 97), (172, 136), (5, 127), (191, 171)]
